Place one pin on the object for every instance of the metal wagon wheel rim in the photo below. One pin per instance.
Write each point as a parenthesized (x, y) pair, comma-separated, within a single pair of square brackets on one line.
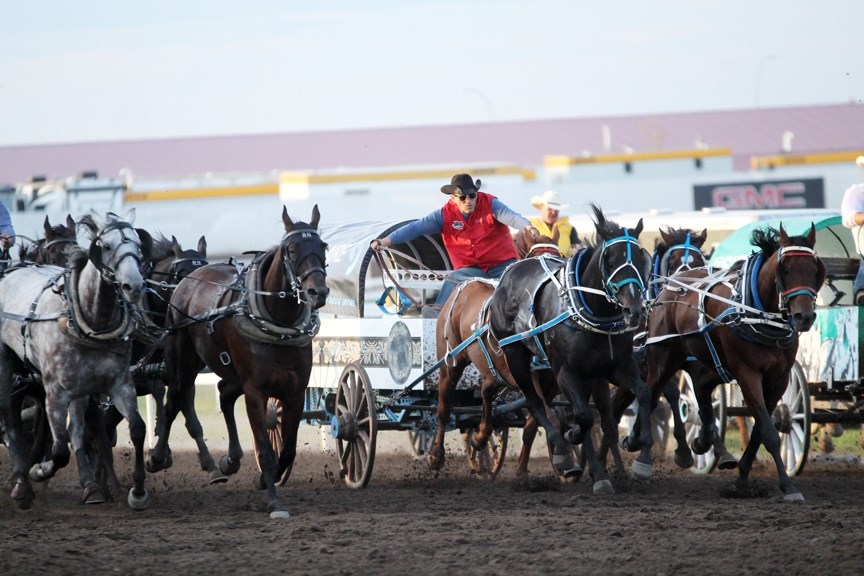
[(487, 462), (794, 411), (355, 426), (688, 407)]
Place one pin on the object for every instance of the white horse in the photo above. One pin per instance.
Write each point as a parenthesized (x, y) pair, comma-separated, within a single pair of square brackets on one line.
[(71, 326)]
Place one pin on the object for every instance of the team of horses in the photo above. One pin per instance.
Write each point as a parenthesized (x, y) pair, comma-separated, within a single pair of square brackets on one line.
[(132, 314)]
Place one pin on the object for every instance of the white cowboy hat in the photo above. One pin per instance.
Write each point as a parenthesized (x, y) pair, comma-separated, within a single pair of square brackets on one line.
[(860, 161), (549, 198)]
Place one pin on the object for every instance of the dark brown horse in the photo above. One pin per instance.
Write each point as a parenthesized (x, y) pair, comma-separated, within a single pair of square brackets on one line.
[(253, 327), (52, 248), (743, 325), (461, 317)]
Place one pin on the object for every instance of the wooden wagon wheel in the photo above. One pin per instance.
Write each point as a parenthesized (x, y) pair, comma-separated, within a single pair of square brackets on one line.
[(355, 426), (487, 462), (688, 407), (792, 419), (273, 424)]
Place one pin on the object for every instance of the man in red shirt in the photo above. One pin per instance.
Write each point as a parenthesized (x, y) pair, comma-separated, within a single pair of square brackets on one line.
[(475, 228)]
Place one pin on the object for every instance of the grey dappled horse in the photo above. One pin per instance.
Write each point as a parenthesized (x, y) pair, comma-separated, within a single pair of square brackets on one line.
[(72, 326)]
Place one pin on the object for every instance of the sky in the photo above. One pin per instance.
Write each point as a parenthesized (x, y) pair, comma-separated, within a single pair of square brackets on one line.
[(104, 70)]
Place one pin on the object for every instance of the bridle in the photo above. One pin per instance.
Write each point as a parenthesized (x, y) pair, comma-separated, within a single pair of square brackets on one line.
[(290, 266), (786, 294), (610, 287), (109, 273)]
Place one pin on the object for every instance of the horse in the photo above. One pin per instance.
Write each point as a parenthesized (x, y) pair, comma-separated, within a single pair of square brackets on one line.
[(461, 315), (677, 251), (72, 327), (168, 264), (741, 324), (254, 328), (585, 312), (52, 248)]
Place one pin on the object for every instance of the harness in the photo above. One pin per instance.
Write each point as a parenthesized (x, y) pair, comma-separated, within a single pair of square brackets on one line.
[(746, 316), (660, 265)]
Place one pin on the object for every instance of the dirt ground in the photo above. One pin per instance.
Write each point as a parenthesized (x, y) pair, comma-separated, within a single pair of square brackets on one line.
[(411, 521)]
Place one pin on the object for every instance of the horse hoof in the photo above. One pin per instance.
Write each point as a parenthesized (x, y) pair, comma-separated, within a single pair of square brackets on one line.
[(477, 444), (92, 494), (259, 482), (137, 502), (37, 474), (603, 487), (684, 461), (572, 474), (629, 444), (697, 447), (435, 462), (564, 464), (276, 510), (216, 477), (727, 462), (228, 466), (640, 470), (23, 495), (794, 497)]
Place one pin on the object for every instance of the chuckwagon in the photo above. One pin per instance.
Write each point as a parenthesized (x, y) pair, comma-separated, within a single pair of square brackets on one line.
[(375, 359), (826, 381)]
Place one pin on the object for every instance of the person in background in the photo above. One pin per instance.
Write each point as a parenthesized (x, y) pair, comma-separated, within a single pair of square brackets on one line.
[(7, 236), (475, 228), (550, 218), (852, 212)]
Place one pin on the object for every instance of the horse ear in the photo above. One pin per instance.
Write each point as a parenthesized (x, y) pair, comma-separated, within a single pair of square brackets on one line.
[(316, 216), (202, 246), (700, 238), (146, 242), (175, 246), (638, 229), (130, 216), (47, 227), (664, 234), (286, 220), (811, 236), (70, 222), (784, 238)]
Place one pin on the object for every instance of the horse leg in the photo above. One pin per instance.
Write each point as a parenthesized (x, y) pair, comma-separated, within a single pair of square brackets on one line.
[(126, 401), (709, 436), (604, 403), (78, 418), (487, 390), (529, 433), (228, 395), (291, 416), (683, 456), (448, 377), (57, 409), (99, 445), (256, 411), (578, 393), (22, 492), (196, 432)]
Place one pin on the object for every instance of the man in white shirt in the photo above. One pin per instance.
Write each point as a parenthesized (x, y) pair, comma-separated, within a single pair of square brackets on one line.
[(852, 211)]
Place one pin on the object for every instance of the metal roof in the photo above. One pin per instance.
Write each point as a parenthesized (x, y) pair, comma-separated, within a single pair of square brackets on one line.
[(747, 133)]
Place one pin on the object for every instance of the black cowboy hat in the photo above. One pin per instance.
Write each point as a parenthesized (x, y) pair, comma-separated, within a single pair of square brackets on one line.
[(461, 184)]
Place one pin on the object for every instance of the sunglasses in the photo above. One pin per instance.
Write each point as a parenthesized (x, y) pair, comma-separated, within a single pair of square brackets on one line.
[(470, 195)]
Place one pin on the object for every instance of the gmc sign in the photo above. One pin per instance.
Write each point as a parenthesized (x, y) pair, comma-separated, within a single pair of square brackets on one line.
[(800, 193)]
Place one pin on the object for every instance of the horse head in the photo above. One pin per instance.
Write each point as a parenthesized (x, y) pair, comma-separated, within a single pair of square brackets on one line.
[(52, 248), (185, 261), (303, 256), (680, 249), (117, 250), (624, 266), (527, 245), (800, 274)]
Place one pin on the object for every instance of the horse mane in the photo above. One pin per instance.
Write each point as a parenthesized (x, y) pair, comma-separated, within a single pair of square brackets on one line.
[(678, 236), (162, 248), (767, 239), (606, 228)]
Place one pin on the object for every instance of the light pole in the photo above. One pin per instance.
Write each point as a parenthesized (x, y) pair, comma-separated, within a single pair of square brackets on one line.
[(759, 67)]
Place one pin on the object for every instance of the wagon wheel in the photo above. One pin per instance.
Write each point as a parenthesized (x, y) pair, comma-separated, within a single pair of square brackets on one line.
[(486, 463), (273, 424), (355, 426), (421, 441), (688, 407), (792, 420)]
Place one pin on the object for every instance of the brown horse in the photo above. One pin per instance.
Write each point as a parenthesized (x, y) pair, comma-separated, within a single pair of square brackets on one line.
[(52, 248), (253, 327), (461, 317), (743, 325)]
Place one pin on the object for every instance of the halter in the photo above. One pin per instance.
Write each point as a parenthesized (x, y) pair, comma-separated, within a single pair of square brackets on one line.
[(612, 288), (787, 294), (108, 273), (292, 276), (538, 249)]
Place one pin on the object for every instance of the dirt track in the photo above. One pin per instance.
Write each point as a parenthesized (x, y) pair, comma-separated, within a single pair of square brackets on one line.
[(412, 521)]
